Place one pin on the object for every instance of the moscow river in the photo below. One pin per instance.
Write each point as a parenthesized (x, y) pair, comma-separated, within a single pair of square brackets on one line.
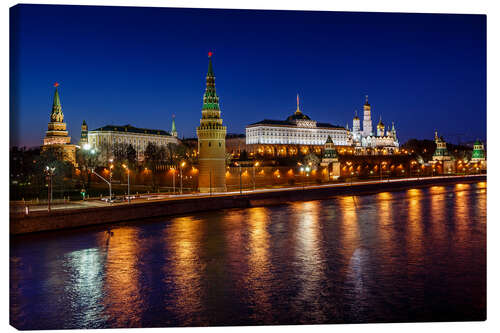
[(415, 255)]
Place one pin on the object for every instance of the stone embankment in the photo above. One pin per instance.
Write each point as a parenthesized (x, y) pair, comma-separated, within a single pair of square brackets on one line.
[(75, 218)]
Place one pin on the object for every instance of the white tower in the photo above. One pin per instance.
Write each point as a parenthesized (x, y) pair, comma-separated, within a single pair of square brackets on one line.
[(367, 119), (356, 123)]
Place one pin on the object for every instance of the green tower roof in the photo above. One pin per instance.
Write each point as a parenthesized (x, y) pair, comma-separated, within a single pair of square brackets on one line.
[(57, 101), (329, 140), (210, 68), (210, 98), (173, 125)]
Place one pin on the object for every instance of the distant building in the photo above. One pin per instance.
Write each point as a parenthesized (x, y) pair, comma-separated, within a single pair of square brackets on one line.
[(84, 134), (297, 129), (56, 137), (211, 139), (105, 137), (330, 160), (441, 155), (365, 138), (478, 152)]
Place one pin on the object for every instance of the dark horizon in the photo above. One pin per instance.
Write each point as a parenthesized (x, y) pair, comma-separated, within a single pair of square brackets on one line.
[(140, 65)]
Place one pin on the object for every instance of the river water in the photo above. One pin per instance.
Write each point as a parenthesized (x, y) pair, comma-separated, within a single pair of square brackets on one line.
[(415, 255)]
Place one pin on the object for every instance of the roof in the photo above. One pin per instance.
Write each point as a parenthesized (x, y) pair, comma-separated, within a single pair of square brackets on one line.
[(287, 123), (298, 116), (132, 129)]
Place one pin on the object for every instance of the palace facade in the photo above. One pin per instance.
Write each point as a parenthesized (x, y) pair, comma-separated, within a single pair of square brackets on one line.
[(300, 133), (103, 138), (287, 136)]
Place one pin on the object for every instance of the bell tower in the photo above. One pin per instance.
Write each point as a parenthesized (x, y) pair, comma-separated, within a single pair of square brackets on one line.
[(367, 119), (211, 139)]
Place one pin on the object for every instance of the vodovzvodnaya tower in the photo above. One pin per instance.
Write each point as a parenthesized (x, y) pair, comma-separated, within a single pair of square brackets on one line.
[(211, 140)]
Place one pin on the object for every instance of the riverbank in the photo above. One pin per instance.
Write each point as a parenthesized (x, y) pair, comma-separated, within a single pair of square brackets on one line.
[(75, 218)]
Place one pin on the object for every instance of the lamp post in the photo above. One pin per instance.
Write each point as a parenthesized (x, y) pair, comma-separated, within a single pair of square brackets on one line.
[(110, 178), (302, 176), (173, 178), (128, 181), (256, 164), (182, 165), (307, 169), (241, 192), (104, 179), (50, 172)]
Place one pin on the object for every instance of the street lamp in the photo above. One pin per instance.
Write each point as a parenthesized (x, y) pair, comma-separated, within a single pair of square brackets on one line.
[(302, 175), (104, 179), (50, 172), (182, 165), (128, 181), (110, 177), (173, 179), (254, 166)]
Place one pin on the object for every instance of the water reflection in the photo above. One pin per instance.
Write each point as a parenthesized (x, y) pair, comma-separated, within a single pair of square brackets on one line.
[(400, 256), (260, 277), (309, 257), (414, 239), (123, 302), (185, 268)]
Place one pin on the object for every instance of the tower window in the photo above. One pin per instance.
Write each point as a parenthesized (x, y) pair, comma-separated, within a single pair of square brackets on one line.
[(209, 144), (220, 145)]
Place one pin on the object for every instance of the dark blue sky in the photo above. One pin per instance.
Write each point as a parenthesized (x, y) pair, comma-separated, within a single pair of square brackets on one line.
[(129, 65)]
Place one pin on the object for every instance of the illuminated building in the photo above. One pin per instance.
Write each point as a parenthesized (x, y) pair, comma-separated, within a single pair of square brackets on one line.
[(331, 160), (56, 137), (84, 134), (478, 152), (211, 139), (105, 137), (364, 138), (478, 155), (297, 129), (441, 155)]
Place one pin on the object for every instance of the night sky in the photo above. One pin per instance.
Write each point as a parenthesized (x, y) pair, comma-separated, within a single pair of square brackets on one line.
[(138, 66)]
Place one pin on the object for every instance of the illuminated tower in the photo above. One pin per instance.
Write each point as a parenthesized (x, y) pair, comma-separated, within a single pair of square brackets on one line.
[(367, 119), (380, 128), (173, 132), (56, 136), (84, 136), (211, 140), (478, 152), (356, 123)]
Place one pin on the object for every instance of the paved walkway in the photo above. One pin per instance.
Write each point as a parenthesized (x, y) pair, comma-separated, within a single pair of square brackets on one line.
[(93, 203)]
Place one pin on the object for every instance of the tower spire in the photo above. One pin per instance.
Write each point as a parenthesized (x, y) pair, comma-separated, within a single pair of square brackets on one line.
[(210, 68), (298, 105), (173, 131), (56, 115), (210, 99)]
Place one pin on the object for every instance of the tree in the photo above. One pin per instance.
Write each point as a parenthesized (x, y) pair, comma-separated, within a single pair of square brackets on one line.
[(131, 157), (312, 160), (52, 158), (87, 160), (154, 159)]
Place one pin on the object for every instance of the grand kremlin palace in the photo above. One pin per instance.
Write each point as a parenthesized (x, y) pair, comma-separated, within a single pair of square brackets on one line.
[(298, 131)]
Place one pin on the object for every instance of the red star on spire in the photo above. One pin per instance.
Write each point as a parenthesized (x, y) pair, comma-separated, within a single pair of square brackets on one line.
[(210, 54), (56, 84)]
